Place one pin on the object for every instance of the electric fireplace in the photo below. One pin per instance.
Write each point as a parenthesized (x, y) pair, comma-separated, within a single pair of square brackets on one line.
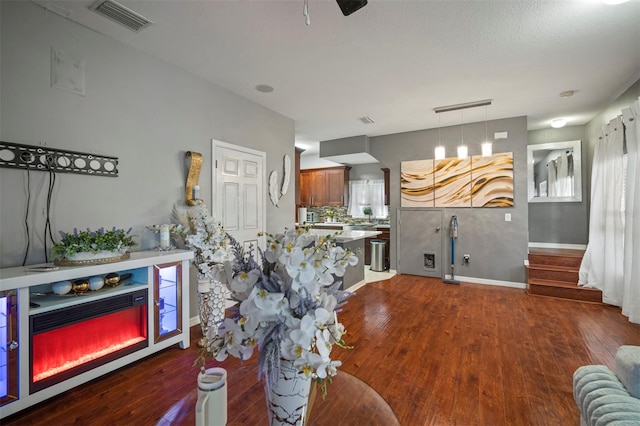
[(69, 341)]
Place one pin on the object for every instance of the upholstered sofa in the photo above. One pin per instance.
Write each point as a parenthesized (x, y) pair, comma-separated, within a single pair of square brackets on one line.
[(607, 398)]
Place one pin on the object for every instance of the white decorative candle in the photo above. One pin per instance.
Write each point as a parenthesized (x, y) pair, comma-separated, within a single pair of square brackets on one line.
[(196, 192), (164, 237)]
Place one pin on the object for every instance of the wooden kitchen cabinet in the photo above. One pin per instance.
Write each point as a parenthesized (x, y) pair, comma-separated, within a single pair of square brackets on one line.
[(324, 187), (387, 197)]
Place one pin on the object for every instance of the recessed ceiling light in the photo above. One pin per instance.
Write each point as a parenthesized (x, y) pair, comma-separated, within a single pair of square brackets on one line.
[(366, 120), (556, 123), (567, 94), (264, 88)]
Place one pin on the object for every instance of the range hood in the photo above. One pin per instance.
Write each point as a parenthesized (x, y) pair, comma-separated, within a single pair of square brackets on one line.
[(351, 150)]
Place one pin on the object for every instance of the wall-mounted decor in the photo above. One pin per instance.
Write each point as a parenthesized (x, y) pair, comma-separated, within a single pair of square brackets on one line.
[(274, 192), (416, 183), (192, 189), (492, 180), (452, 182), (67, 72), (554, 172), (45, 159)]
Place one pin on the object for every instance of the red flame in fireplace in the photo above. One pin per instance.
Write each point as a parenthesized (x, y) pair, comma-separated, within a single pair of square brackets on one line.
[(70, 346)]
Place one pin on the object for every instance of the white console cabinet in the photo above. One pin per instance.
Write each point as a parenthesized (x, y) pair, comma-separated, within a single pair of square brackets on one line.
[(150, 310)]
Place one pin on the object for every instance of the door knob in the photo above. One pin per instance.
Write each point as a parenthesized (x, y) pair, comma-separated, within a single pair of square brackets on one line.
[(437, 229)]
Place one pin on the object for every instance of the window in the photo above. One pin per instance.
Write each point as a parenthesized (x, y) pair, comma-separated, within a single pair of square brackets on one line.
[(367, 193)]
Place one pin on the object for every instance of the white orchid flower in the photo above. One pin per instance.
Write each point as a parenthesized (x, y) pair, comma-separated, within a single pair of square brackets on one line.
[(295, 343), (302, 266), (243, 282)]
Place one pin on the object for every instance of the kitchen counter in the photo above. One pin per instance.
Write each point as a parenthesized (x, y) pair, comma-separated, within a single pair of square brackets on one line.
[(347, 236), (353, 241), (337, 224)]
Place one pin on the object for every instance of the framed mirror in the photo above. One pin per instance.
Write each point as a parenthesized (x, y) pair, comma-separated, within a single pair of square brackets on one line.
[(554, 172)]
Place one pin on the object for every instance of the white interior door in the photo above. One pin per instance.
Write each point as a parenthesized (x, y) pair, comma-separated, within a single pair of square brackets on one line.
[(238, 192)]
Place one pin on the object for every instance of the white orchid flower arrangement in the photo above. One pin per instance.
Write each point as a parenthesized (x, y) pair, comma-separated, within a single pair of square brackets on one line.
[(288, 306), (201, 233)]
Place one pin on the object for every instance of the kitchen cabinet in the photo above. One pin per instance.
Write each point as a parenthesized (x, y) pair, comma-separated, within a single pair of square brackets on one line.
[(299, 152), (387, 197), (324, 187)]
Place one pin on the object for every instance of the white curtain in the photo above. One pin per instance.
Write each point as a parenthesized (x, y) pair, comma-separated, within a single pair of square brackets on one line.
[(631, 287), (602, 265), (366, 193)]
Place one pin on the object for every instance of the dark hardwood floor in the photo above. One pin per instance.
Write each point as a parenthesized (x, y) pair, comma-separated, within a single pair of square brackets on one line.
[(438, 354)]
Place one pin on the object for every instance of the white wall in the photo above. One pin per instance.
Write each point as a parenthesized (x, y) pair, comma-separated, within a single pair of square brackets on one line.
[(313, 161), (144, 111)]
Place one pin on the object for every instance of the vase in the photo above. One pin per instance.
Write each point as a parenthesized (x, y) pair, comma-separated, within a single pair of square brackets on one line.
[(287, 398), (93, 258), (212, 303)]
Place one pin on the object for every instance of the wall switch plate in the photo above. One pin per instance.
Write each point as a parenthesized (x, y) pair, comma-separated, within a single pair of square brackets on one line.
[(507, 217)]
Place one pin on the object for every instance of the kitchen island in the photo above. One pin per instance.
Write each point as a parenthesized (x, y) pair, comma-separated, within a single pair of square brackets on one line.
[(354, 241)]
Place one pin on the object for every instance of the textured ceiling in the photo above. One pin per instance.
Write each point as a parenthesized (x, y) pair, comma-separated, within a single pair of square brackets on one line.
[(395, 61)]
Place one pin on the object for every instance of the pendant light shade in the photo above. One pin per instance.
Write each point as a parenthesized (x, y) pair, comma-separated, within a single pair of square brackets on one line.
[(439, 153), (486, 149), (463, 152), (486, 145)]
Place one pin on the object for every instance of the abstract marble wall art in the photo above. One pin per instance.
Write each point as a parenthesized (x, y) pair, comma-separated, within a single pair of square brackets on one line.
[(452, 182), (472, 182), (416, 183), (492, 180)]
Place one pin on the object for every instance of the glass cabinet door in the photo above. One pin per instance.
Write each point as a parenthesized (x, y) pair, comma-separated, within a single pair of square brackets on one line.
[(168, 302), (8, 347)]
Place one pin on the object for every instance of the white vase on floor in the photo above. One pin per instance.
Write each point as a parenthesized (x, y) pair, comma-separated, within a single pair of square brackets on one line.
[(287, 398), (211, 298)]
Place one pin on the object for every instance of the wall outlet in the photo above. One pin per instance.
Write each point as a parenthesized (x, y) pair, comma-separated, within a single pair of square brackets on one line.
[(507, 217), (466, 258)]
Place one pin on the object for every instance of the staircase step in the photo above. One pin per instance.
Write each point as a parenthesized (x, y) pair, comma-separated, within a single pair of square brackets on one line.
[(567, 274), (563, 290), (558, 257)]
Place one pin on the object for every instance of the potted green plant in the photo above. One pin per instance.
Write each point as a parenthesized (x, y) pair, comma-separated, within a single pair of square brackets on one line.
[(100, 246), (329, 215), (367, 210)]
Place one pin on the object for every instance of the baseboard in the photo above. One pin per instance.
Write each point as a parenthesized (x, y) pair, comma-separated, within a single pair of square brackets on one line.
[(558, 246), (357, 286), (475, 280), (194, 321)]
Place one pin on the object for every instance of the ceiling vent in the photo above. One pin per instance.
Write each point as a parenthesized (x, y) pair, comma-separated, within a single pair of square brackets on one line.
[(121, 14)]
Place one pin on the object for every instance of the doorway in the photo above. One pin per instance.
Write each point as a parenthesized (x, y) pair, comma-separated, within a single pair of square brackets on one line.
[(238, 193)]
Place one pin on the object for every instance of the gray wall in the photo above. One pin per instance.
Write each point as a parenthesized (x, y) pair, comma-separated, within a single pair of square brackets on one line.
[(144, 111), (497, 248), (366, 171), (564, 223), (568, 223)]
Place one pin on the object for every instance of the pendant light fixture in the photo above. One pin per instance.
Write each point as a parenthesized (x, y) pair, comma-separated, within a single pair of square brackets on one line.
[(439, 151), (486, 145), (463, 152)]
